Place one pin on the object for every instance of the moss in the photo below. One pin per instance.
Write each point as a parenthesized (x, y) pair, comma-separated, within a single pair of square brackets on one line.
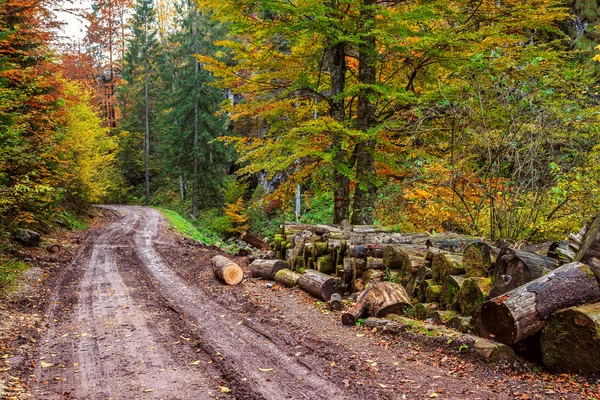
[(433, 293), (325, 264), (10, 271)]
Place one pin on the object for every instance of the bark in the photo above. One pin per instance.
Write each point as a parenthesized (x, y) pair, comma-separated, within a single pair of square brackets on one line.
[(422, 289), (479, 258), (523, 311), (366, 250), (348, 271), (473, 293), (365, 193), (445, 264), (378, 300), (514, 268), (432, 251), (226, 270), (375, 263), (320, 285), (589, 251), (359, 267), (254, 241), (570, 340), (267, 269), (287, 278)]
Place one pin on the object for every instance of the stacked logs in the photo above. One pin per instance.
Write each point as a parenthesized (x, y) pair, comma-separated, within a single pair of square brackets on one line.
[(471, 285)]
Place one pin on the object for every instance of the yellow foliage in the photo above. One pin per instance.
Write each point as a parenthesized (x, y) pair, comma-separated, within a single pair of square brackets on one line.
[(236, 212)]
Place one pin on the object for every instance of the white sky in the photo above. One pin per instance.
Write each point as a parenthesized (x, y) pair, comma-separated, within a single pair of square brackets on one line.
[(74, 28)]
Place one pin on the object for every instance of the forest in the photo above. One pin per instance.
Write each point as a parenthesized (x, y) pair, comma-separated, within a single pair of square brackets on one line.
[(477, 117)]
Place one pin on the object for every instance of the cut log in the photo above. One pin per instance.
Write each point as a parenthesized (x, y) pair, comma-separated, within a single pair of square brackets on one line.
[(433, 293), (254, 241), (358, 285), (372, 238), (425, 311), (492, 351), (320, 285), (478, 259), (445, 264), (522, 312), (514, 268), (375, 263), (473, 293), (432, 251), (395, 257), (570, 340), (424, 273), (348, 268), (53, 248), (385, 325), (460, 323), (226, 270), (300, 240), (454, 245), (449, 299), (589, 251), (325, 264), (422, 290), (293, 228), (319, 249), (359, 266), (372, 276), (366, 250), (335, 302), (378, 300), (287, 278), (267, 269)]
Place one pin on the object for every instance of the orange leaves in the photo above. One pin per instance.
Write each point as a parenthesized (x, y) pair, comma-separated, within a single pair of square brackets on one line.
[(236, 212)]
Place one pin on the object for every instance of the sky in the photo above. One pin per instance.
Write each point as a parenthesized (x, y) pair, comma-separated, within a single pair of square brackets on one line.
[(74, 28)]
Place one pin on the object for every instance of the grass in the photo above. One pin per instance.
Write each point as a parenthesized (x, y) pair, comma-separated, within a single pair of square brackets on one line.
[(73, 221), (9, 273), (198, 233)]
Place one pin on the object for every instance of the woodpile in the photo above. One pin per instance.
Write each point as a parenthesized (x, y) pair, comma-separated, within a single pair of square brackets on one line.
[(495, 290)]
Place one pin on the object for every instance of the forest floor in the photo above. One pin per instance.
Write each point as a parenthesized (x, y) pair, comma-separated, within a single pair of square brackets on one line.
[(133, 311)]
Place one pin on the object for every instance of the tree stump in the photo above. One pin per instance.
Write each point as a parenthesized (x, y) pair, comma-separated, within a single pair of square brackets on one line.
[(514, 268), (445, 264), (320, 285), (571, 340), (473, 293), (226, 270), (267, 269), (378, 300), (522, 312), (335, 303), (478, 259), (287, 278)]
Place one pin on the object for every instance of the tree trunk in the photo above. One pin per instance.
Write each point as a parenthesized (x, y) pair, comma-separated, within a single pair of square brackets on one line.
[(378, 300), (522, 312), (291, 228), (287, 278), (146, 116), (445, 264), (320, 285), (254, 241), (335, 303), (365, 193), (571, 340), (267, 269), (473, 293), (196, 119), (479, 258), (514, 268), (226, 270), (589, 251)]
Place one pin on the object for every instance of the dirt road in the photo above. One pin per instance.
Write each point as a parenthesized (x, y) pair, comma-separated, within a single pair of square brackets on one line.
[(138, 315)]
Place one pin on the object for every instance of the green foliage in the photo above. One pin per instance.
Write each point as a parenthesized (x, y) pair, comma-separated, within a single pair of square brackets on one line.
[(10, 271), (73, 221)]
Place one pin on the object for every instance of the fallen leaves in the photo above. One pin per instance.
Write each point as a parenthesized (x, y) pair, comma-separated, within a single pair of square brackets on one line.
[(46, 365), (265, 369), (225, 389)]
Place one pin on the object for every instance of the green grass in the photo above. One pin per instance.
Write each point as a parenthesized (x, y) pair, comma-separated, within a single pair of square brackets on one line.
[(199, 233), (9, 274), (73, 221)]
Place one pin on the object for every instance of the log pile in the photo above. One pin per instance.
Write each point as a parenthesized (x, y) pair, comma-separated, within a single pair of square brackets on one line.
[(495, 290)]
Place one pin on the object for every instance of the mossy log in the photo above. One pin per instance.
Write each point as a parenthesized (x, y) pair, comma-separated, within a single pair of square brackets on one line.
[(371, 238), (366, 250), (461, 324), (325, 264), (589, 251), (425, 311), (444, 317), (422, 290), (491, 351), (267, 269), (514, 268), (570, 340), (432, 251), (445, 264), (375, 263), (394, 256), (433, 293), (227, 271), (424, 272), (449, 297), (378, 300), (320, 285), (473, 293), (287, 278), (319, 249), (359, 266), (300, 240), (523, 311), (479, 258)]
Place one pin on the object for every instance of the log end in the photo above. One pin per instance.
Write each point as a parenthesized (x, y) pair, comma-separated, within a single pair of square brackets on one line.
[(348, 319), (232, 274), (495, 320)]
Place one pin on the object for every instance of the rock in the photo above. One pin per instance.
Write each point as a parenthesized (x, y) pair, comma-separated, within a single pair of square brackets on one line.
[(269, 285), (27, 237)]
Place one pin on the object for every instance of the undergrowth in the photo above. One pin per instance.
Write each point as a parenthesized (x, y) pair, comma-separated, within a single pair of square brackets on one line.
[(9, 274)]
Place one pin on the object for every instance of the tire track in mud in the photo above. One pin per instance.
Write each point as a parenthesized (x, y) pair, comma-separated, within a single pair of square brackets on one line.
[(246, 350)]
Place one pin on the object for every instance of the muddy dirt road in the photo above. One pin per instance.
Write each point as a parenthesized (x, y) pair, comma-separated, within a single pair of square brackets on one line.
[(138, 315)]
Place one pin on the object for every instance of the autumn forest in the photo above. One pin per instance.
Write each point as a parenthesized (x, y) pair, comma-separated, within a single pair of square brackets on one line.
[(477, 117)]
